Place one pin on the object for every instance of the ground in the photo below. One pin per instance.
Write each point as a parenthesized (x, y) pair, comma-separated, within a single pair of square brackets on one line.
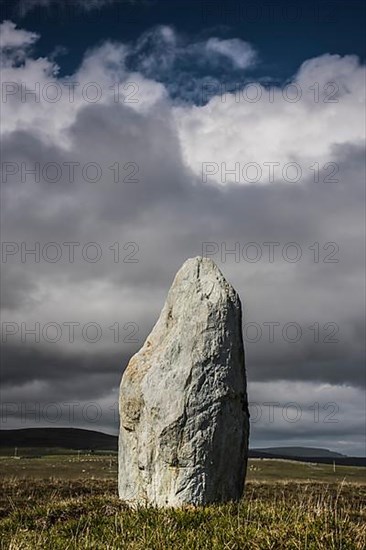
[(67, 501)]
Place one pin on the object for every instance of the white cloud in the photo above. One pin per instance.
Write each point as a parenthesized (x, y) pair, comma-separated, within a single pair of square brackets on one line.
[(185, 65), (232, 128), (35, 98), (16, 41), (25, 6), (240, 53)]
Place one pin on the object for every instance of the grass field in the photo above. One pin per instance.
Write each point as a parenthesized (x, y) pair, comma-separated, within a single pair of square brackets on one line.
[(70, 502)]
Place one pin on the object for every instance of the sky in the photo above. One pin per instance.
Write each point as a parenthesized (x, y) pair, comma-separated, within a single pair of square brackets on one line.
[(138, 134)]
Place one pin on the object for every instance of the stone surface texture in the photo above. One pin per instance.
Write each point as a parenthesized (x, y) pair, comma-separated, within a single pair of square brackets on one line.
[(184, 421)]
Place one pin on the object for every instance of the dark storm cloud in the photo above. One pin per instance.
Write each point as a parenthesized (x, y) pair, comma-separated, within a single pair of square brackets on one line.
[(231, 215), (16, 288), (63, 373)]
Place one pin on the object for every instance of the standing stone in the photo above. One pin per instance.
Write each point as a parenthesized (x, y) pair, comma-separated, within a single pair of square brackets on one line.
[(184, 421)]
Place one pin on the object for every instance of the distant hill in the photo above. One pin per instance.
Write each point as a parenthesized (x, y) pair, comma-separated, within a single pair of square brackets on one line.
[(61, 438), (307, 454), (300, 452), (52, 439)]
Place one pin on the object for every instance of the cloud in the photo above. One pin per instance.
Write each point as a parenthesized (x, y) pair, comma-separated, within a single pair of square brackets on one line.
[(137, 193), (11, 37), (307, 414), (14, 43), (161, 48), (262, 126), (25, 6), (185, 65), (240, 53)]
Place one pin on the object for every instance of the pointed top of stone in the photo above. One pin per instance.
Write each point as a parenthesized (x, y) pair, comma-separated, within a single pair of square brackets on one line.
[(200, 260), (206, 278), (200, 266)]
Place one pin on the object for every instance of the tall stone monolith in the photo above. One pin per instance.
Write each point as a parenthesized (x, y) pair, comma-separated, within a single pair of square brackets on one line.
[(184, 421)]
